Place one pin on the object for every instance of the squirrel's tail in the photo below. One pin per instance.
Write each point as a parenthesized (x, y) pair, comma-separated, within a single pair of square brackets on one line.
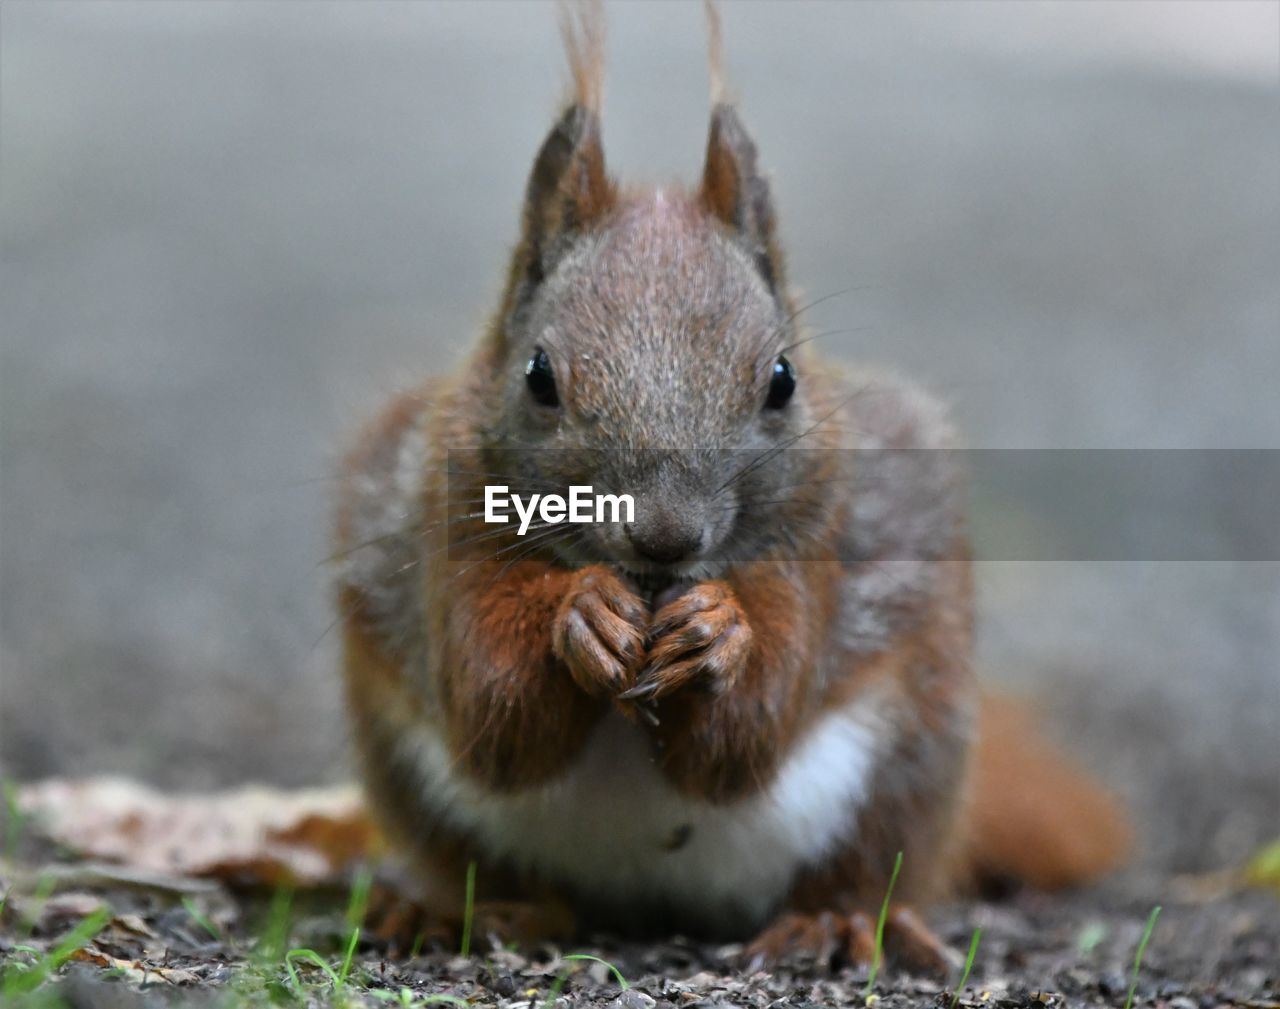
[(1035, 817)]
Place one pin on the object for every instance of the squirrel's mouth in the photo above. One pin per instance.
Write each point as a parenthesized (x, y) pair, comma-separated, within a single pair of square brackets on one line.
[(652, 581), (659, 586)]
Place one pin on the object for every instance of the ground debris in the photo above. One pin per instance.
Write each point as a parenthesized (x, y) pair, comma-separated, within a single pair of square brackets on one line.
[(162, 937)]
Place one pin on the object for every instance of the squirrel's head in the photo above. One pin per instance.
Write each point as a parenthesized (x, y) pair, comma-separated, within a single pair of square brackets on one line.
[(646, 344)]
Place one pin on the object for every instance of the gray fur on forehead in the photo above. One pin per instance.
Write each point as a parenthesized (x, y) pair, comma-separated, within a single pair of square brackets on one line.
[(657, 275)]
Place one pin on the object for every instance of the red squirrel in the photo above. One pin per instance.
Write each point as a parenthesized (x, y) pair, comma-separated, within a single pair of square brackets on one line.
[(727, 716)]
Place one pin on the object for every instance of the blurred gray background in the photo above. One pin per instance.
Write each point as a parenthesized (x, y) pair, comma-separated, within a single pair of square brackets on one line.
[(230, 229)]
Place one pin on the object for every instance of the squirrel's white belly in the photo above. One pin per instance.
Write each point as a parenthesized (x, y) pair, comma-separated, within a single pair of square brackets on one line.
[(613, 828)]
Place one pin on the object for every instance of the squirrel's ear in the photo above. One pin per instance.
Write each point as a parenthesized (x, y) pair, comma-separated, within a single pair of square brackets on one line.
[(734, 191), (568, 188)]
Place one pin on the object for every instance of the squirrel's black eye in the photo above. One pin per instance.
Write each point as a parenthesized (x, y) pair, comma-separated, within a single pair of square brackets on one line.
[(782, 385), (541, 379)]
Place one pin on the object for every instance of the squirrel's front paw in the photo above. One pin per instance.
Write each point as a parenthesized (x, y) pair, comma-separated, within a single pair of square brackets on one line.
[(702, 636), (599, 632)]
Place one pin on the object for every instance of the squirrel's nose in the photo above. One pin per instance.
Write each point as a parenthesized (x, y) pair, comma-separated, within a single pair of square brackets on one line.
[(665, 538)]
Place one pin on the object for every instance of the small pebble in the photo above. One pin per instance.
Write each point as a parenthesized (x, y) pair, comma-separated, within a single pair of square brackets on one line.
[(632, 999)]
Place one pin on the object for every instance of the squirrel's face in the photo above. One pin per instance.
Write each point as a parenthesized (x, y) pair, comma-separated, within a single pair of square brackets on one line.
[(645, 349), (652, 362)]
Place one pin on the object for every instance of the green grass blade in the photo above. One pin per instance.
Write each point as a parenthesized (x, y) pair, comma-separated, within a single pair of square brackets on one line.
[(274, 938), (315, 958), (345, 972), (1137, 957), (556, 987), (200, 918), (359, 901), (622, 981), (884, 916), (469, 909), (968, 966), (29, 980), (39, 897)]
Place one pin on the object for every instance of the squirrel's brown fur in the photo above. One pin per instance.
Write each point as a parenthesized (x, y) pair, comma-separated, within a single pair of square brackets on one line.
[(744, 704)]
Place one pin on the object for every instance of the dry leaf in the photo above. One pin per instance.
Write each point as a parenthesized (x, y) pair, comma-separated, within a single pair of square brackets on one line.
[(134, 925), (251, 836), (134, 970)]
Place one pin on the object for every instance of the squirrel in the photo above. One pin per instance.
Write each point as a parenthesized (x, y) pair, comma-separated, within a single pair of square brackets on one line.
[(728, 716)]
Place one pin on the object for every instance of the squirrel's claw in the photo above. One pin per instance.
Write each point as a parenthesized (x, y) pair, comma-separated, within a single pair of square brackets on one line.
[(641, 691)]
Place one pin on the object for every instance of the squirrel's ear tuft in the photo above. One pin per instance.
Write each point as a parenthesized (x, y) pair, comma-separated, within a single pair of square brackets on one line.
[(582, 30), (568, 188), (733, 190)]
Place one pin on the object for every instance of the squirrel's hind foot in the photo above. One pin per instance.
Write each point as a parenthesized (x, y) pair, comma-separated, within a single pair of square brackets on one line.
[(406, 925), (829, 940)]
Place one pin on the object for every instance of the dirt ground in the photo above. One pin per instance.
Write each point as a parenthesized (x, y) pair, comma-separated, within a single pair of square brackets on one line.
[(115, 895), (174, 942)]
